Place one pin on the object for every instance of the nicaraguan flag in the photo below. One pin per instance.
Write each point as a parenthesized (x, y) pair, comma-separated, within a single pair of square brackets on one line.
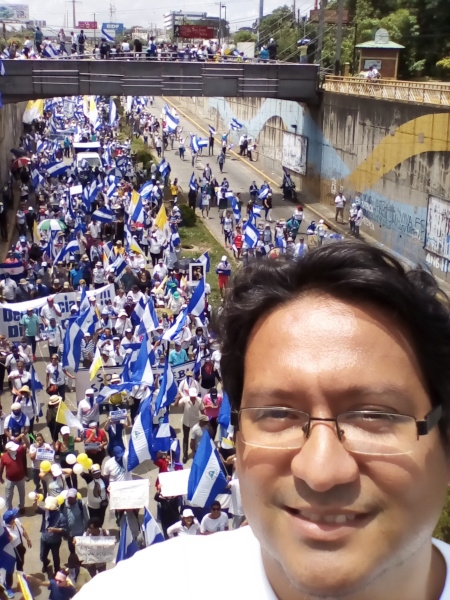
[(108, 391), (70, 248), (36, 178), (256, 210), (112, 189), (112, 112), (138, 312), (236, 209), (164, 167), (202, 143), (7, 554), (172, 121), (177, 326), (212, 131), (206, 479), (149, 321), (263, 192), (235, 125), (50, 52), (138, 213), (224, 417), (56, 169), (175, 239), (168, 389), (72, 341), (193, 182), (146, 189), (142, 370), (150, 529), (197, 302), (104, 215), (127, 546), (141, 439), (15, 270), (41, 146), (194, 144), (251, 235), (205, 260), (119, 266)]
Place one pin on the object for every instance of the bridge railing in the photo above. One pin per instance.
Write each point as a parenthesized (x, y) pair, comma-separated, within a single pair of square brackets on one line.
[(408, 91)]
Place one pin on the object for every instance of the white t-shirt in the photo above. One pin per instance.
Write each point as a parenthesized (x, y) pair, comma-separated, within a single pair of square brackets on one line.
[(214, 525), (236, 508), (339, 201), (191, 411), (130, 577), (179, 529), (115, 472)]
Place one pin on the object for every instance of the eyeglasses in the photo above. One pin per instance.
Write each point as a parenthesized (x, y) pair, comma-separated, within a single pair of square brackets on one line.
[(360, 432), (215, 509)]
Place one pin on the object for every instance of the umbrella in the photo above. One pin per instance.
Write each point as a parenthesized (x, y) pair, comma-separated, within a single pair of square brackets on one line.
[(23, 161), (51, 225)]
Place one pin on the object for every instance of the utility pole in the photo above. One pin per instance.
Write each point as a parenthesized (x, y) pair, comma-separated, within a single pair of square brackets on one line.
[(220, 23), (95, 32), (337, 56), (261, 15), (321, 30), (73, 14)]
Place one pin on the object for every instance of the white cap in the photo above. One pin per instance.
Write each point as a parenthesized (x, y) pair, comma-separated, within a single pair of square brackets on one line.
[(187, 512), (16, 406), (90, 392), (224, 258), (193, 391), (56, 470), (321, 221), (65, 430), (12, 446), (51, 502)]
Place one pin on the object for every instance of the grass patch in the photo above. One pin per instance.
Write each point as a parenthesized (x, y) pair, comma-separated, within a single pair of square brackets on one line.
[(200, 237)]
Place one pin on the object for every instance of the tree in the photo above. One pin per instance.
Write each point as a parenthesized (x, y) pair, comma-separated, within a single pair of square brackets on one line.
[(244, 36)]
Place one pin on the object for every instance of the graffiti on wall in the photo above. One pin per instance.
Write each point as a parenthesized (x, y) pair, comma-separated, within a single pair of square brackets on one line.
[(295, 148), (438, 227), (392, 215)]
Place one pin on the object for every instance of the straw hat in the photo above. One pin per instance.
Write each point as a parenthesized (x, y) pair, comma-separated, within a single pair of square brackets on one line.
[(54, 400)]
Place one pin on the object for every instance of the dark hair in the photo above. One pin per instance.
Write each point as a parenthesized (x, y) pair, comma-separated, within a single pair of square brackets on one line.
[(351, 271), (95, 521)]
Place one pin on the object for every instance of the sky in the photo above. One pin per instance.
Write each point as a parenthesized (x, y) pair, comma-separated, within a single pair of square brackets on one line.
[(240, 13)]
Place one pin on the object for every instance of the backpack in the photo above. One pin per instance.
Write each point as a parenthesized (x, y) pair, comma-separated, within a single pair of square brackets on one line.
[(81, 39)]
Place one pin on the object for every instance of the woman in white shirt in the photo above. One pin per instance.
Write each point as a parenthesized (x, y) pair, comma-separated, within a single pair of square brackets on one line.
[(187, 526)]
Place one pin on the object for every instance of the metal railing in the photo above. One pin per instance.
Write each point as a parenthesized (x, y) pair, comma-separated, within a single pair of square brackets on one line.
[(436, 93)]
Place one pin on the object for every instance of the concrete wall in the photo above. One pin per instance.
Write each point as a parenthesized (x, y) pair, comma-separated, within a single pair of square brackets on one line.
[(10, 132), (393, 156)]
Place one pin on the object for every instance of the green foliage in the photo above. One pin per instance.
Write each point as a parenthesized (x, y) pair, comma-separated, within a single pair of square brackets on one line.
[(442, 531), (188, 215), (443, 68), (144, 156), (244, 36)]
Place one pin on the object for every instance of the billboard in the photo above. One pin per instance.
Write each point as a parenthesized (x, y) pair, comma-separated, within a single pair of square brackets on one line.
[(295, 148), (194, 32), (117, 27), (14, 12), (437, 238), (331, 16), (87, 25)]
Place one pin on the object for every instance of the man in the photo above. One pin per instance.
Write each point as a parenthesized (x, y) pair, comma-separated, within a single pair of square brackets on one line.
[(88, 409), (55, 377), (53, 528), (334, 468), (76, 515), (81, 41), (30, 328), (17, 425), (178, 356), (192, 407), (339, 203), (197, 432), (50, 309), (358, 219), (54, 335), (12, 463), (215, 521), (301, 248), (223, 271), (8, 288), (18, 378)]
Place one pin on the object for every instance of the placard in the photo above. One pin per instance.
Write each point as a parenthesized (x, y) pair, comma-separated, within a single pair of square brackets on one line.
[(126, 495), (174, 483), (92, 550), (44, 454), (118, 415)]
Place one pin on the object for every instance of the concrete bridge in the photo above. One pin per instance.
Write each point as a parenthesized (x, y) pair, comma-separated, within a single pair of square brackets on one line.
[(33, 79)]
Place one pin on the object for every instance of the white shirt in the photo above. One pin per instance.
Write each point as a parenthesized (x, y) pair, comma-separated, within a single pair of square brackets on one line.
[(236, 508), (191, 411), (86, 413), (48, 312), (179, 529), (51, 371), (214, 525), (9, 287), (94, 501), (130, 577), (339, 201), (114, 471), (98, 274)]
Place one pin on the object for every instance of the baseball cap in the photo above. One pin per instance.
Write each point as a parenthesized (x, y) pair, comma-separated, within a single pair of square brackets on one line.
[(95, 469), (12, 446), (56, 470), (187, 512), (16, 406), (72, 493), (224, 258), (65, 430), (193, 391), (51, 503)]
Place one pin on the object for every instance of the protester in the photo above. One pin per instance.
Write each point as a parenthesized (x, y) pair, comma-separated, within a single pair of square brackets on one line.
[(215, 521)]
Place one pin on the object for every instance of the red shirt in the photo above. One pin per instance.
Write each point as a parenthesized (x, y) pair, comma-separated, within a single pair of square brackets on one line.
[(14, 469), (238, 240)]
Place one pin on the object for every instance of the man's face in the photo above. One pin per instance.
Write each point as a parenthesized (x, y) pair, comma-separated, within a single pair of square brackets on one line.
[(328, 357)]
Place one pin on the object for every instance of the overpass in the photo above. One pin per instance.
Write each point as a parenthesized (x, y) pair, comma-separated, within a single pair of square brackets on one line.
[(33, 79)]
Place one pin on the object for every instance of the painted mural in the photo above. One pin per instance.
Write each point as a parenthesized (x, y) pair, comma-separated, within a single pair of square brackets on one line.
[(400, 225)]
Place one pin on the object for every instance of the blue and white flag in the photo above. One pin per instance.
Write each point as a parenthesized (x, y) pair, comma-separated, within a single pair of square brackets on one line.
[(41, 146), (172, 121), (212, 131), (112, 189), (236, 209), (197, 302), (127, 546), (251, 235), (138, 213), (193, 185), (50, 52), (112, 112), (116, 388), (256, 210), (146, 189), (263, 192), (164, 167), (36, 178), (72, 341), (175, 329), (35, 387), (206, 479), (141, 438), (2, 68), (151, 530), (202, 142), (168, 389), (7, 554), (56, 169), (106, 33), (142, 369), (235, 125), (194, 144), (175, 239), (205, 260), (224, 417), (104, 215), (149, 321), (71, 247), (198, 363), (119, 266)]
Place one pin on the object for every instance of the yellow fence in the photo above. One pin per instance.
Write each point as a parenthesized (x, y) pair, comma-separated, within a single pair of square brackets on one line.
[(407, 91)]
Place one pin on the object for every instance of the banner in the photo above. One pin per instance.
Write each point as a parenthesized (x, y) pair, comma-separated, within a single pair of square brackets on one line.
[(103, 377), (44, 454), (174, 483), (116, 416), (93, 550), (128, 495), (10, 314)]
